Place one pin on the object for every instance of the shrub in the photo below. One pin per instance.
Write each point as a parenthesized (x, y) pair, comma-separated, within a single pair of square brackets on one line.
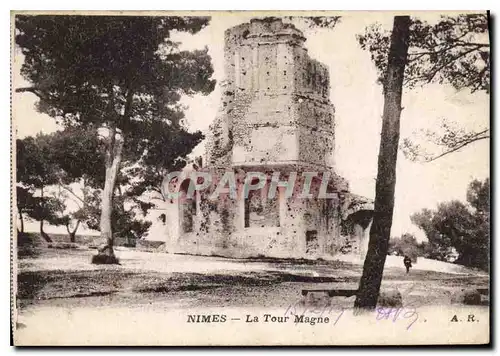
[(102, 259)]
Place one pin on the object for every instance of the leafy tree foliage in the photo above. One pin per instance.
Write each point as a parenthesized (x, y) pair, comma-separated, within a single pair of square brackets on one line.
[(119, 74), (164, 151), (478, 196), (24, 204), (452, 51), (73, 155), (464, 228), (451, 138), (126, 220), (35, 173), (79, 154), (406, 245), (35, 168), (315, 21), (455, 51), (46, 166)]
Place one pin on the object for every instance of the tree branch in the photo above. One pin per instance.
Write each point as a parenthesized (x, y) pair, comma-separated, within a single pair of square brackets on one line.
[(72, 193), (453, 59), (468, 142), (76, 227), (34, 90), (447, 48), (435, 69), (478, 45), (466, 138)]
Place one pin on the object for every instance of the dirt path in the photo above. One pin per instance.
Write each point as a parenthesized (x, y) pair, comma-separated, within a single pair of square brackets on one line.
[(61, 293), (62, 277)]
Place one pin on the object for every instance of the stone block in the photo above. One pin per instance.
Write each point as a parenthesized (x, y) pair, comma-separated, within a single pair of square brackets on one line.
[(390, 298), (316, 299)]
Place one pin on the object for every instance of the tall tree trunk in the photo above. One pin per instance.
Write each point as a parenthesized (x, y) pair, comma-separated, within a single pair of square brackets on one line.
[(114, 152), (21, 218), (113, 161), (45, 236), (72, 234), (369, 286)]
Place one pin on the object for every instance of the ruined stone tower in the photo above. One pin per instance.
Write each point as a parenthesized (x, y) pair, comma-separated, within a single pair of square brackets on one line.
[(275, 108), (275, 116)]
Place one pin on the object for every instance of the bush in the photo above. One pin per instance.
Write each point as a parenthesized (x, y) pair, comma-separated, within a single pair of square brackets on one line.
[(467, 297), (27, 245), (63, 245), (102, 259)]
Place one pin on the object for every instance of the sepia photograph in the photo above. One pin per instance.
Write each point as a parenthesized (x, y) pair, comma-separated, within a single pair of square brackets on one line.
[(250, 178)]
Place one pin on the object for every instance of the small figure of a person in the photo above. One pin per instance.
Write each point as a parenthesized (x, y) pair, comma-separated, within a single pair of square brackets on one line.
[(407, 262)]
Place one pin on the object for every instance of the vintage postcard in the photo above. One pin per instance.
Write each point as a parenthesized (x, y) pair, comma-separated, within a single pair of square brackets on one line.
[(250, 178)]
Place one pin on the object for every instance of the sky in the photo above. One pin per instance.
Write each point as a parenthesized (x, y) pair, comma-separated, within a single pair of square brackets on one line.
[(358, 103)]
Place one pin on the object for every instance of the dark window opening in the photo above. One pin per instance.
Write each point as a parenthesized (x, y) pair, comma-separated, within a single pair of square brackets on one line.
[(261, 211), (312, 245), (188, 207)]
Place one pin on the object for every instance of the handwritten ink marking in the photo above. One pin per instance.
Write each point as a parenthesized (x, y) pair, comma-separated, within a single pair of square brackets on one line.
[(412, 312), (338, 318), (384, 313), (299, 309)]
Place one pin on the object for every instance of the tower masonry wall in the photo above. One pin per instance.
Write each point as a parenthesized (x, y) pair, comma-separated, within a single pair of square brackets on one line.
[(275, 115), (276, 106)]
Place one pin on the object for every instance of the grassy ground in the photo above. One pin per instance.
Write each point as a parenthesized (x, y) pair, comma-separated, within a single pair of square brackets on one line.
[(63, 299), (51, 277)]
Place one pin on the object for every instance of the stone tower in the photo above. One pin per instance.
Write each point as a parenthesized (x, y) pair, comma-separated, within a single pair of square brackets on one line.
[(275, 116), (276, 109)]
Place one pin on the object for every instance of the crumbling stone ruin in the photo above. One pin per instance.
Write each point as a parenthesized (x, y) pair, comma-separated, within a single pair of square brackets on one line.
[(275, 116)]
